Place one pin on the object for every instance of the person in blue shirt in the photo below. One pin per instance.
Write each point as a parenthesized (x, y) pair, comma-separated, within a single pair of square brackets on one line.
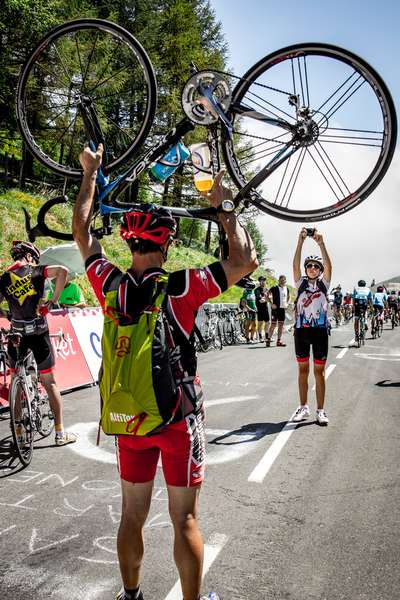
[(362, 297), (380, 303)]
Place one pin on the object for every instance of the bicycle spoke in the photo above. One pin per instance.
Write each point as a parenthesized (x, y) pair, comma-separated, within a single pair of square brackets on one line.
[(115, 124), (69, 78), (267, 103), (332, 112), (99, 82), (323, 174), (52, 75), (80, 61), (318, 145), (294, 177), (89, 60)]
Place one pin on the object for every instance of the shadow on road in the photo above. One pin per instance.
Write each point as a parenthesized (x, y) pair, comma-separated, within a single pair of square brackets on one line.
[(388, 383), (256, 430)]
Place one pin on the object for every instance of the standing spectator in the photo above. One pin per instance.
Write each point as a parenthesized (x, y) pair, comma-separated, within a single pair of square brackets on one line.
[(261, 294), (311, 326), (130, 297), (280, 299), (248, 302)]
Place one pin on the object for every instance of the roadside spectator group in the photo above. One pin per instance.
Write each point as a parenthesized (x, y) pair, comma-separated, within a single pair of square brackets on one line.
[(259, 318)]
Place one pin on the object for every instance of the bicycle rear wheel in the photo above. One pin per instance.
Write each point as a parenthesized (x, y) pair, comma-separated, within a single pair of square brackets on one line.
[(21, 420), (332, 110), (87, 62)]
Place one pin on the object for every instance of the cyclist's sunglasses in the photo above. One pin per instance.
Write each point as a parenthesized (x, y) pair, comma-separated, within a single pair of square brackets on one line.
[(313, 266)]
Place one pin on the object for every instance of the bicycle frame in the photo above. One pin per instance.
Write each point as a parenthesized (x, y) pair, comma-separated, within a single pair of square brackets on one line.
[(109, 191)]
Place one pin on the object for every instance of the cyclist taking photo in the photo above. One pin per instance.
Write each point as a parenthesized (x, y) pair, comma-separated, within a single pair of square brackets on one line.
[(132, 307), (22, 286)]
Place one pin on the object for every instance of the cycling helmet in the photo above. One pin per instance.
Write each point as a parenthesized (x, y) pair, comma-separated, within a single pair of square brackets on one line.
[(393, 292), (21, 249), (362, 283), (314, 259), (379, 289), (148, 222)]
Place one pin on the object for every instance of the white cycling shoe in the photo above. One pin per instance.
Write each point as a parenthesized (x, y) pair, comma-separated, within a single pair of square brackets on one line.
[(322, 419), (302, 413)]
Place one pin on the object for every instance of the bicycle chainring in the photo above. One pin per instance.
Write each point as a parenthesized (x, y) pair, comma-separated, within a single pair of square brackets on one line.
[(196, 107)]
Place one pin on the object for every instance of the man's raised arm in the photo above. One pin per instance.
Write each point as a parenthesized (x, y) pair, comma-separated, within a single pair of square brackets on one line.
[(83, 209), (242, 253)]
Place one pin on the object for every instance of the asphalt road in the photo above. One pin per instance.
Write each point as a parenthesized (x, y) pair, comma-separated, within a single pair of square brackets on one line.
[(287, 513)]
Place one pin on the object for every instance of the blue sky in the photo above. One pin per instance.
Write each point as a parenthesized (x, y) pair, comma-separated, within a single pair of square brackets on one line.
[(370, 29)]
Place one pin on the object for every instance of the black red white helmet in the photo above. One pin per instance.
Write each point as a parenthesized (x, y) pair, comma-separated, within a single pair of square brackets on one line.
[(314, 259), (379, 289), (148, 222), (21, 249), (361, 283)]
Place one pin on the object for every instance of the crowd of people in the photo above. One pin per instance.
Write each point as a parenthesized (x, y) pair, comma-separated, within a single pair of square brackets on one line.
[(156, 409)]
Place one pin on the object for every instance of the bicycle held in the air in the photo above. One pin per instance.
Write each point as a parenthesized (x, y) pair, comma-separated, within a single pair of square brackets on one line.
[(306, 134)]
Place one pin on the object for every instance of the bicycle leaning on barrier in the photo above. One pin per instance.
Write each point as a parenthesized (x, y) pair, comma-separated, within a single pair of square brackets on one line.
[(296, 114)]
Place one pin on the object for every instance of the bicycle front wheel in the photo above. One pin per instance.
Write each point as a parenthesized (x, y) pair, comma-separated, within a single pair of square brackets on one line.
[(44, 416), (92, 63), (314, 131), (21, 420)]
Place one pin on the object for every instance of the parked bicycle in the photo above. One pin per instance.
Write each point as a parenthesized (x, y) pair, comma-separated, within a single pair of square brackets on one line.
[(295, 116), (30, 410)]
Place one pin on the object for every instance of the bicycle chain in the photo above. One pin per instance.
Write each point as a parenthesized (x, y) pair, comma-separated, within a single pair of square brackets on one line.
[(263, 85)]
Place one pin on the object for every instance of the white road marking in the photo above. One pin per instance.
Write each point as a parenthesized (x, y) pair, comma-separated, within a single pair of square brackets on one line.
[(260, 471), (258, 474), (211, 551), (387, 357), (342, 353), (230, 400), (328, 371)]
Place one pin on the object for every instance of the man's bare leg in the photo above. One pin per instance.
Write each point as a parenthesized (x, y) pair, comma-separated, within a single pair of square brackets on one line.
[(136, 500), (188, 544)]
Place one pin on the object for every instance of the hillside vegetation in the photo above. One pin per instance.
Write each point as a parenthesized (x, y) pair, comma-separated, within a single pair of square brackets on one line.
[(12, 226)]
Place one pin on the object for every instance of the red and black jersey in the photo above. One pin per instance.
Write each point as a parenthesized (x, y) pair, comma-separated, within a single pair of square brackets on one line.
[(187, 289), (22, 285)]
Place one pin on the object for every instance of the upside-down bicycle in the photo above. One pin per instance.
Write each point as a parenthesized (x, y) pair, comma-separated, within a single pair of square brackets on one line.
[(306, 134)]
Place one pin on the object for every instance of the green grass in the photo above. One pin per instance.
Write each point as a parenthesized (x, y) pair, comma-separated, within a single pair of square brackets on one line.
[(12, 227)]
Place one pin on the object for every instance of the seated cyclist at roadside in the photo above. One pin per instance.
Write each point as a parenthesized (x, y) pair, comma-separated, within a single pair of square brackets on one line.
[(380, 301), (362, 297), (22, 286)]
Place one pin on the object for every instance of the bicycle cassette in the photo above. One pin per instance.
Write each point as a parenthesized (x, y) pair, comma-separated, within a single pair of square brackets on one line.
[(196, 105)]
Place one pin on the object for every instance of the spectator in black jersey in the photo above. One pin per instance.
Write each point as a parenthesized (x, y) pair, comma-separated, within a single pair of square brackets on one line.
[(261, 293), (148, 232), (22, 286), (280, 297)]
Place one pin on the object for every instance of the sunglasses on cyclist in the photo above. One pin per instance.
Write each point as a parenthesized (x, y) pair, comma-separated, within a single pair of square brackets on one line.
[(313, 266)]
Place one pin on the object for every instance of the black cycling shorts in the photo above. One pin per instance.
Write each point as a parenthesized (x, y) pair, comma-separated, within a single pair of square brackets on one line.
[(262, 312), (316, 338), (378, 310), (41, 348), (278, 314)]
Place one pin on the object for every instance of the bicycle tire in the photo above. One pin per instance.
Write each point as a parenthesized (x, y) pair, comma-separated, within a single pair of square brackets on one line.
[(44, 417), (138, 71), (305, 204), (24, 446)]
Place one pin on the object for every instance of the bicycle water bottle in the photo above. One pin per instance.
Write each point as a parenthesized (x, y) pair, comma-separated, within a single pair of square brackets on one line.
[(202, 170), (168, 164)]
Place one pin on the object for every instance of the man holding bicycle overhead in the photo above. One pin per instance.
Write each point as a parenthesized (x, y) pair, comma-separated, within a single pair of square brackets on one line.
[(131, 304), (311, 325), (22, 286)]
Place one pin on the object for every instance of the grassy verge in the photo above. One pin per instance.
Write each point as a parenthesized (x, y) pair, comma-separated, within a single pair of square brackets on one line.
[(12, 226)]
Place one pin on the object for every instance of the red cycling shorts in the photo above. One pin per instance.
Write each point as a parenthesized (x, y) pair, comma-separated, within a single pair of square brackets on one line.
[(182, 449)]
